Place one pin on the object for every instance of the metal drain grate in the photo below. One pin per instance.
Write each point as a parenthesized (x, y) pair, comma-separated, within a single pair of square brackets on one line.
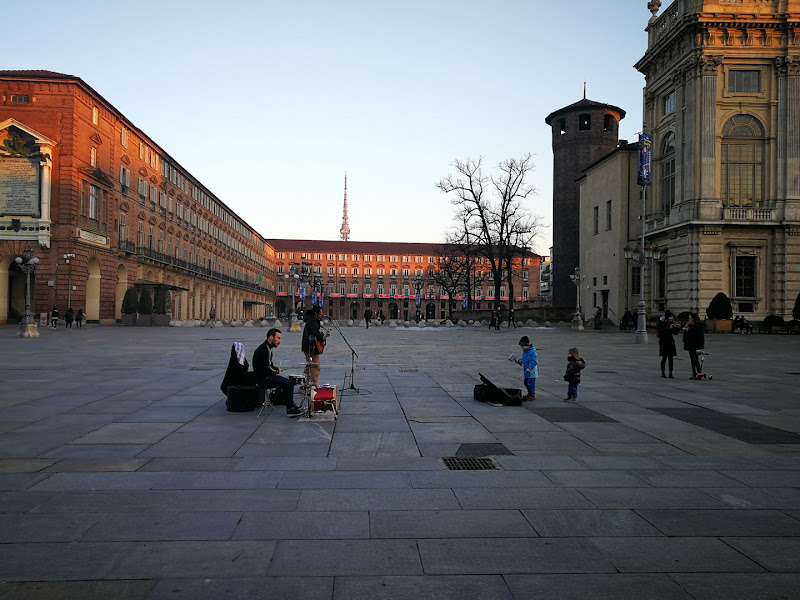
[(454, 463), (201, 368), (605, 371), (408, 370)]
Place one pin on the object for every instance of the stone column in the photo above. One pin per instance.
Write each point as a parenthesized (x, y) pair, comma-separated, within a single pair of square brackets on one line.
[(708, 137), (44, 220)]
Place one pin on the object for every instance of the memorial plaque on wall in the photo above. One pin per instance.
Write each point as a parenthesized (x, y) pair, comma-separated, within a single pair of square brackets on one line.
[(19, 186)]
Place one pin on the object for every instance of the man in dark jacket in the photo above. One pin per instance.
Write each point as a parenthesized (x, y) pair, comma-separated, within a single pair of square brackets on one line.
[(268, 374), (311, 344)]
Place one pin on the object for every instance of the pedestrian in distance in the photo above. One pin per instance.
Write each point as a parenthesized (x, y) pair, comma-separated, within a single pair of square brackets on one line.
[(69, 316), (575, 364), (511, 319), (368, 317), (79, 316), (530, 367), (53, 318), (666, 330), (694, 340), (627, 320)]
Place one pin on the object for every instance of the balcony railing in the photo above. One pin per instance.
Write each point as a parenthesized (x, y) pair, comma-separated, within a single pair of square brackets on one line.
[(166, 259), (737, 213), (126, 246)]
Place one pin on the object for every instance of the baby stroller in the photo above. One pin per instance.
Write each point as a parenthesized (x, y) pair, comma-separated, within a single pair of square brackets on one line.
[(701, 358)]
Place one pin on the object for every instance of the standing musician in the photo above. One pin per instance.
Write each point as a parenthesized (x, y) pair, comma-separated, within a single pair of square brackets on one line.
[(313, 344)]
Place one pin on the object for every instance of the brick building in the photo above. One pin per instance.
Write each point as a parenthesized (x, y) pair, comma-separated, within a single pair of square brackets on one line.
[(105, 208), (352, 276), (582, 133)]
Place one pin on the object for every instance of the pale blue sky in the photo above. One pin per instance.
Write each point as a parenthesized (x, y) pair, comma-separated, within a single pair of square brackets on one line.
[(269, 103)]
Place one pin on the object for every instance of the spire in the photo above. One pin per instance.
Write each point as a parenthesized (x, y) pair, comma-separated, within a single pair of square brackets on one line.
[(344, 232), (584, 89)]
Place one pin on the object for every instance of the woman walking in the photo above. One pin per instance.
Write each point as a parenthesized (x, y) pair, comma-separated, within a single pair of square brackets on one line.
[(666, 331), (694, 339)]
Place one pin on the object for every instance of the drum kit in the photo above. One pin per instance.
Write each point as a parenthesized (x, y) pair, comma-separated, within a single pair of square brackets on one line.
[(317, 400)]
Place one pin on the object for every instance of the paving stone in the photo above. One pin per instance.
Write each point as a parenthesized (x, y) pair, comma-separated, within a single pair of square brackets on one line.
[(16, 528), (190, 464), (673, 555), (449, 524), (776, 554), (232, 588), (620, 462), (650, 498), (96, 451), (444, 587), (129, 501), (520, 498), (717, 523), (156, 560), (164, 526), (727, 586), (480, 479), (263, 449), (597, 587), (20, 481), (85, 590), (663, 478), (345, 558), (538, 463), (595, 479), (589, 523), (303, 525), (388, 463), (128, 433), (764, 479), (526, 555), (71, 561), (374, 444), (377, 499), (233, 500), (756, 498)]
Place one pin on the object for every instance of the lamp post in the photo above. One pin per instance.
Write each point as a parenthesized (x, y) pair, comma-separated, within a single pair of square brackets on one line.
[(27, 264), (641, 256), (577, 319), (291, 280), (67, 258), (418, 288)]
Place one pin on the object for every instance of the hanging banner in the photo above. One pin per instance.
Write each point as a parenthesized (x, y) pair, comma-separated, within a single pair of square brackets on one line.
[(644, 173)]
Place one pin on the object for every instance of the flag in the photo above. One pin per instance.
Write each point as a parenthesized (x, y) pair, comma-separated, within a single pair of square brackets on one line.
[(260, 277)]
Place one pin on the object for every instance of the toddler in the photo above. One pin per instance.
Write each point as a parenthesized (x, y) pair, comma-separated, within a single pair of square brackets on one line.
[(575, 364), (530, 367)]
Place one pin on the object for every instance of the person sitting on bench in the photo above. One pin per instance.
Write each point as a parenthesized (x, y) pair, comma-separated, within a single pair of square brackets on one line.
[(268, 374), (237, 371)]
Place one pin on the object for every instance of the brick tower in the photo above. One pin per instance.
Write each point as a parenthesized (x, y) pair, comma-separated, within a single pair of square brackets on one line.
[(582, 133)]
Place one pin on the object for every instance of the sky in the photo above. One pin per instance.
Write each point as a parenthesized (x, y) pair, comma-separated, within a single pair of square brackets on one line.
[(268, 104)]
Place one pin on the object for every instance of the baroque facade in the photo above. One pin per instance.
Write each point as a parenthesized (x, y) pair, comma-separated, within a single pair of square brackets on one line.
[(105, 208), (722, 102)]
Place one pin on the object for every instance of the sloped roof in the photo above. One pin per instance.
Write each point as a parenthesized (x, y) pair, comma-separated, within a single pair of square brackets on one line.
[(582, 104), (35, 73)]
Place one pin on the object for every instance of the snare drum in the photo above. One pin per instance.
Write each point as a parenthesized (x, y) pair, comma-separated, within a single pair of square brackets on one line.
[(297, 379), (325, 398)]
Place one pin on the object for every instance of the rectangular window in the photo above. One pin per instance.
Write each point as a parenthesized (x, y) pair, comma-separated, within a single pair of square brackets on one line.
[(741, 81), (123, 137), (596, 219), (354, 289), (95, 115), (93, 156), (343, 257), (608, 215), (669, 103), (745, 277), (330, 270), (355, 271), (20, 99), (92, 208), (661, 279), (342, 271), (636, 281)]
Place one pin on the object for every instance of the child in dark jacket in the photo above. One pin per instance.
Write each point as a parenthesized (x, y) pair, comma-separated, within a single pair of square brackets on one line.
[(575, 364)]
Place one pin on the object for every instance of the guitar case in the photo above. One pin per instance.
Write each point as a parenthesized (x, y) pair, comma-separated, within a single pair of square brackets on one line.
[(493, 394)]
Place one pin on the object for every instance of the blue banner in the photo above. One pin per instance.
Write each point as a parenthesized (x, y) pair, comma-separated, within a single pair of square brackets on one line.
[(644, 173), (465, 301), (418, 300)]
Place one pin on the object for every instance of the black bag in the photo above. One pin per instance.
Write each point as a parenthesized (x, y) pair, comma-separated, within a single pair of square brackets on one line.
[(489, 392), (242, 398)]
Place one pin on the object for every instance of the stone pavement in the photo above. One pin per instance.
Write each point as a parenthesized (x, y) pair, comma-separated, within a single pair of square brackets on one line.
[(122, 475)]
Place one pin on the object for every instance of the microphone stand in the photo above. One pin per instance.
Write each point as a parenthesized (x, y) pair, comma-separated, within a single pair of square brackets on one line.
[(353, 357)]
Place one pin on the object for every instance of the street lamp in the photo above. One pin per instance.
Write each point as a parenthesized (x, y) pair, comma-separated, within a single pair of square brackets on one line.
[(418, 284), (27, 264), (641, 258), (577, 319), (291, 278), (67, 258)]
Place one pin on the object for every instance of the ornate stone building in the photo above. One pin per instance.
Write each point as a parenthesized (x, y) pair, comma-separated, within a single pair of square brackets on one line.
[(722, 102), (104, 208)]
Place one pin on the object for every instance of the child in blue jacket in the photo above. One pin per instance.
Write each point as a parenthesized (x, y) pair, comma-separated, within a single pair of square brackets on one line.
[(530, 366)]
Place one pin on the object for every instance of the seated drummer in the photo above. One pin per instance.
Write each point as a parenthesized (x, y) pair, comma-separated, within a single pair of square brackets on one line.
[(268, 374)]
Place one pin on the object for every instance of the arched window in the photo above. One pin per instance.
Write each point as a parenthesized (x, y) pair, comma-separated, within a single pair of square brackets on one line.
[(742, 162), (667, 166)]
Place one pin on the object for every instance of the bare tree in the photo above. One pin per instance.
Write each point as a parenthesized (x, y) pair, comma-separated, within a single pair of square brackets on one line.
[(491, 216), (451, 272)]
